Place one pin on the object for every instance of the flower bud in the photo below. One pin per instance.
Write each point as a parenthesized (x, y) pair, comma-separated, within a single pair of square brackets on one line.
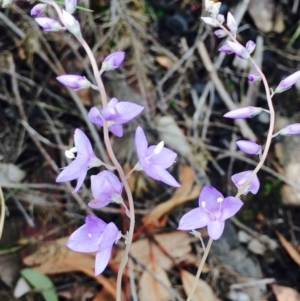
[(250, 46), (113, 61), (226, 49), (249, 147), (288, 82), (70, 6), (254, 77), (210, 21), (239, 50), (240, 179), (72, 24), (220, 33), (243, 113), (231, 23), (74, 82), (215, 9), (38, 9), (291, 129), (49, 24)]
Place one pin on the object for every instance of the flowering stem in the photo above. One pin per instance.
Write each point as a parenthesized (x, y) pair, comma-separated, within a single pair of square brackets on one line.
[(201, 265), (112, 156), (272, 120)]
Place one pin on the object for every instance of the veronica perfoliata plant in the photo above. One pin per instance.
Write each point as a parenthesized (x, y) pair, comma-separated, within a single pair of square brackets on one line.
[(110, 185)]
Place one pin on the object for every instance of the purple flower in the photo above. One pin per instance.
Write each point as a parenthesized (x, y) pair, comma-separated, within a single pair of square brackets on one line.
[(95, 236), (212, 212), (115, 113), (231, 23), (288, 82), (249, 147), (70, 6), (38, 9), (113, 61), (84, 160), (239, 50), (154, 160), (226, 49), (75, 82), (106, 188), (243, 113), (239, 180), (291, 129), (49, 24), (220, 33), (250, 46), (254, 77)]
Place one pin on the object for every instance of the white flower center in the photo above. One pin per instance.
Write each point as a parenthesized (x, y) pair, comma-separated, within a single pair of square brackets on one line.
[(69, 153)]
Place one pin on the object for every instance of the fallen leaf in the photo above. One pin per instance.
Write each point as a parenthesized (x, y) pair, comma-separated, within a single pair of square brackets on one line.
[(284, 293), (176, 244), (203, 291), (55, 258), (188, 191), (152, 289), (173, 136), (289, 248)]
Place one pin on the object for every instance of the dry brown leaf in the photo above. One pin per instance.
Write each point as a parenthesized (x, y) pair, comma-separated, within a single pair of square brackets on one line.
[(289, 248), (55, 258), (185, 193), (152, 289), (203, 291), (177, 244), (104, 294), (284, 293), (164, 61)]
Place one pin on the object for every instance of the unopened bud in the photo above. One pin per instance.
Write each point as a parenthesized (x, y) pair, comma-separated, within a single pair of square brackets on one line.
[(49, 24), (291, 129), (288, 82), (113, 61), (250, 46), (239, 50), (74, 82), (210, 21), (243, 113), (220, 33), (254, 77), (72, 24), (38, 9), (231, 23), (249, 147), (226, 49), (70, 6)]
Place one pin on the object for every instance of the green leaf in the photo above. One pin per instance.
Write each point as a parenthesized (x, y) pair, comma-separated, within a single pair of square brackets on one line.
[(41, 282)]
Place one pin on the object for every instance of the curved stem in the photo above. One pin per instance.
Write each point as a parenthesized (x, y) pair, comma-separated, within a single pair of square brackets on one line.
[(2, 217), (272, 119), (113, 158), (201, 265)]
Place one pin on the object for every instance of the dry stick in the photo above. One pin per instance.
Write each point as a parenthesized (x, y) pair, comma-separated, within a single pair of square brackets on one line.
[(264, 155)]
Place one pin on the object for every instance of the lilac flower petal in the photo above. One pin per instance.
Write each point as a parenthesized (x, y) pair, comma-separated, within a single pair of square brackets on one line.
[(165, 158), (80, 180), (113, 61), (230, 206), (127, 111), (141, 142), (95, 117), (102, 259), (160, 174), (108, 236), (38, 9), (250, 46), (215, 229), (116, 129), (113, 102), (254, 77), (243, 113), (248, 147), (73, 170), (209, 195), (82, 143), (231, 23), (226, 49), (48, 24), (194, 219), (85, 239), (240, 178)]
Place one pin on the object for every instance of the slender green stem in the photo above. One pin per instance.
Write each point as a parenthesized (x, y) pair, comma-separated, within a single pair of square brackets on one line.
[(201, 265)]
